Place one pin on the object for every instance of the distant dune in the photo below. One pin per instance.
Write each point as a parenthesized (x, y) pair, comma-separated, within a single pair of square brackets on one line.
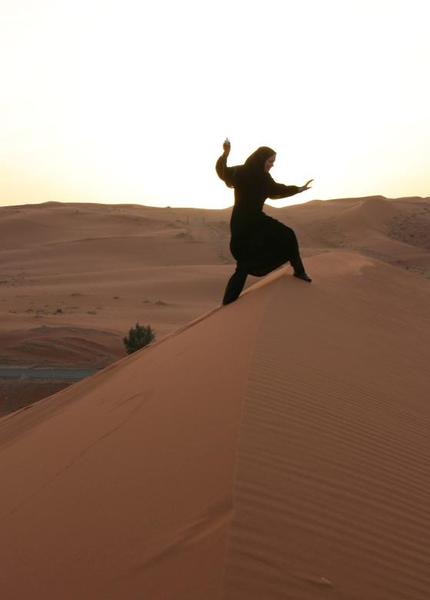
[(395, 231), (91, 271), (273, 448), (75, 277)]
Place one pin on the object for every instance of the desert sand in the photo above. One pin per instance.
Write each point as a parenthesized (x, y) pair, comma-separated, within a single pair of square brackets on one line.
[(273, 448), (75, 277)]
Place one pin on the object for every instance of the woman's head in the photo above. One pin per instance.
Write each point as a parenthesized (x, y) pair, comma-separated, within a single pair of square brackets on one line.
[(261, 161), (269, 162)]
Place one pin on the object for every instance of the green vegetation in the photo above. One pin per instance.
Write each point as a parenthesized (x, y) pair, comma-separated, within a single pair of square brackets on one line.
[(138, 337)]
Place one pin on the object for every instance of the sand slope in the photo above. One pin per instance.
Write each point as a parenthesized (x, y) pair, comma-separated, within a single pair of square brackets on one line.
[(275, 448), (395, 231), (86, 273), (75, 277)]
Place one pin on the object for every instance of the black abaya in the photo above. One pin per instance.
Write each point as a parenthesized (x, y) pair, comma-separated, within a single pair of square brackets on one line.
[(258, 242)]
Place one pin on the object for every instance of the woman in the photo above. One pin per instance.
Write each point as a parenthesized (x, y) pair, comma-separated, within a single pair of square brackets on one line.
[(259, 243)]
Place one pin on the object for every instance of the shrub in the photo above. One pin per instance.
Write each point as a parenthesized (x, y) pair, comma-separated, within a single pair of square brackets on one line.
[(138, 337)]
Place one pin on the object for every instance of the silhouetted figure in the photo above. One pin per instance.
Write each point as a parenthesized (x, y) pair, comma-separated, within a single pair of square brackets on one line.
[(259, 243)]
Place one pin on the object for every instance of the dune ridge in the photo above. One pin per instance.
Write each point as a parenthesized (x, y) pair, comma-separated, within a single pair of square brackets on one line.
[(273, 448), (100, 268)]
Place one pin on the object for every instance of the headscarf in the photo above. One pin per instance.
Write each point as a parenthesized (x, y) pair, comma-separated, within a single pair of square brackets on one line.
[(251, 173), (254, 164)]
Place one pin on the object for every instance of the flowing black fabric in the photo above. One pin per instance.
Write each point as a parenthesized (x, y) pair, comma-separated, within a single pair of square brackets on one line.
[(258, 242)]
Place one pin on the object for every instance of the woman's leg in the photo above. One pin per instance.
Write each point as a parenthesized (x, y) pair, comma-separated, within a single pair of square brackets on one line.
[(235, 285), (284, 241), (296, 260), (297, 264)]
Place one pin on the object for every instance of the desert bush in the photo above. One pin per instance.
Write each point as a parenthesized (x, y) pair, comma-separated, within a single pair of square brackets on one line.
[(138, 337)]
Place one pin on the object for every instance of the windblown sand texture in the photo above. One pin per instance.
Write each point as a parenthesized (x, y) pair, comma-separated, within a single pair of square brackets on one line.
[(275, 448), (75, 277)]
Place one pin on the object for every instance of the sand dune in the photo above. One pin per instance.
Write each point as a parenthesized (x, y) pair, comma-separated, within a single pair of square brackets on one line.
[(75, 277), (273, 448), (395, 231), (100, 268)]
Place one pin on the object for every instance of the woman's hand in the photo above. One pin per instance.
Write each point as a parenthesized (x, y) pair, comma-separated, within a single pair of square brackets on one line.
[(226, 146), (306, 186)]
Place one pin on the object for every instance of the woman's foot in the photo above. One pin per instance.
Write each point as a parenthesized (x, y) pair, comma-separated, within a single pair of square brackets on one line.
[(235, 285), (303, 276)]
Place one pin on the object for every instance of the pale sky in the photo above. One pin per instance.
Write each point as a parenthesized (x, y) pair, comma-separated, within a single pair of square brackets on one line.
[(129, 101)]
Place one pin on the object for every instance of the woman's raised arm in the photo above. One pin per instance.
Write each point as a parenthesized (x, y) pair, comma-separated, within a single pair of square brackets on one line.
[(227, 174)]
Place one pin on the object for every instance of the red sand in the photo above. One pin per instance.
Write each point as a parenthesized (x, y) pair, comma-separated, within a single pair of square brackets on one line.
[(274, 448), (76, 277)]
